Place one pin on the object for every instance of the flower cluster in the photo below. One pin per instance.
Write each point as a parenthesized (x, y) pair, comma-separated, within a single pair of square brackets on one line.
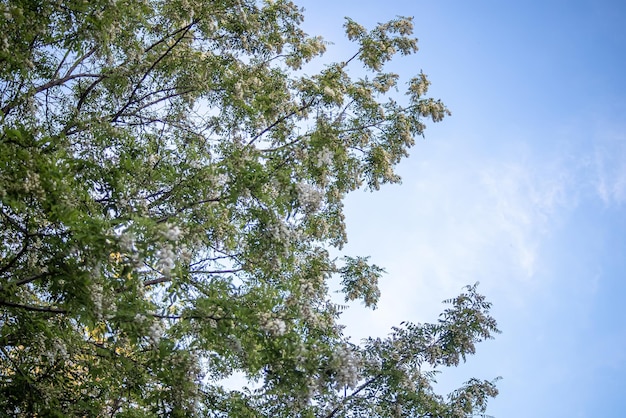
[(332, 95), (307, 288), (270, 323), (347, 369), (436, 110), (171, 232), (282, 232), (309, 197), (155, 333), (57, 351), (324, 158), (127, 242), (97, 297), (155, 330), (166, 255), (32, 183), (312, 317), (166, 262), (418, 86)]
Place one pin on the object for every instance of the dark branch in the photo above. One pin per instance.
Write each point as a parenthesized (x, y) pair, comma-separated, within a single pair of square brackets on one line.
[(352, 395), (60, 81), (152, 67), (14, 260), (282, 119), (33, 308)]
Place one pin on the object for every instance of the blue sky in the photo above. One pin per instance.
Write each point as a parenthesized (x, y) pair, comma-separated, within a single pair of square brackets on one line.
[(522, 189)]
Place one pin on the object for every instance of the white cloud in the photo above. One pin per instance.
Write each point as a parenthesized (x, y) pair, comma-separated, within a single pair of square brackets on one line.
[(453, 222), (527, 198), (610, 167)]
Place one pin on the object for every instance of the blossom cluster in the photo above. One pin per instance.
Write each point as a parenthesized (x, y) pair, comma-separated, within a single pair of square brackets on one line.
[(58, 350), (419, 85), (166, 255), (97, 296), (171, 232), (155, 330), (270, 323), (166, 259), (347, 369), (312, 317), (309, 197), (436, 110), (324, 158), (155, 333)]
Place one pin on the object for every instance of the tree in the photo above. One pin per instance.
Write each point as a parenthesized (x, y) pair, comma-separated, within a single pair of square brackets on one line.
[(171, 182)]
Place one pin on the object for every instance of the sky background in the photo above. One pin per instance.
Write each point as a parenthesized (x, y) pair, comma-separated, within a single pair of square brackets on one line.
[(523, 189)]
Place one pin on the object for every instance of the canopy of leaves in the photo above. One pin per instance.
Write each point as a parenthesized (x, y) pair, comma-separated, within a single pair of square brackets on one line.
[(171, 183)]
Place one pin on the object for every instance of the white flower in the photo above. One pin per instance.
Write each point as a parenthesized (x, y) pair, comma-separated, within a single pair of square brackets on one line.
[(186, 253), (306, 288), (97, 299), (56, 350), (60, 348), (31, 183), (281, 232), (255, 82), (155, 332), (325, 157), (127, 242), (166, 260), (273, 325), (237, 91), (309, 197), (172, 232), (280, 325), (220, 180), (111, 309), (347, 368)]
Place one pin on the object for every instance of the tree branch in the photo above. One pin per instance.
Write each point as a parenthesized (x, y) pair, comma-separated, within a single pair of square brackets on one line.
[(32, 308), (216, 271), (153, 102), (30, 279), (59, 81), (152, 282), (352, 395), (78, 61), (282, 119), (84, 95), (149, 70), (15, 365), (14, 260), (184, 208)]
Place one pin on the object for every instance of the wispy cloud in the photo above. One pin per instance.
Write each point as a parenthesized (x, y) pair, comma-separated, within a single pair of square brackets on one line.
[(610, 167), (457, 220), (527, 198)]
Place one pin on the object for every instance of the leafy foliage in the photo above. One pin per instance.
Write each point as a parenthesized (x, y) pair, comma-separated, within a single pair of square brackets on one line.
[(171, 182)]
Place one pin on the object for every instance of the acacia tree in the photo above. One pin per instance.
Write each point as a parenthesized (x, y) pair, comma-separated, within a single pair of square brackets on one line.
[(171, 182)]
